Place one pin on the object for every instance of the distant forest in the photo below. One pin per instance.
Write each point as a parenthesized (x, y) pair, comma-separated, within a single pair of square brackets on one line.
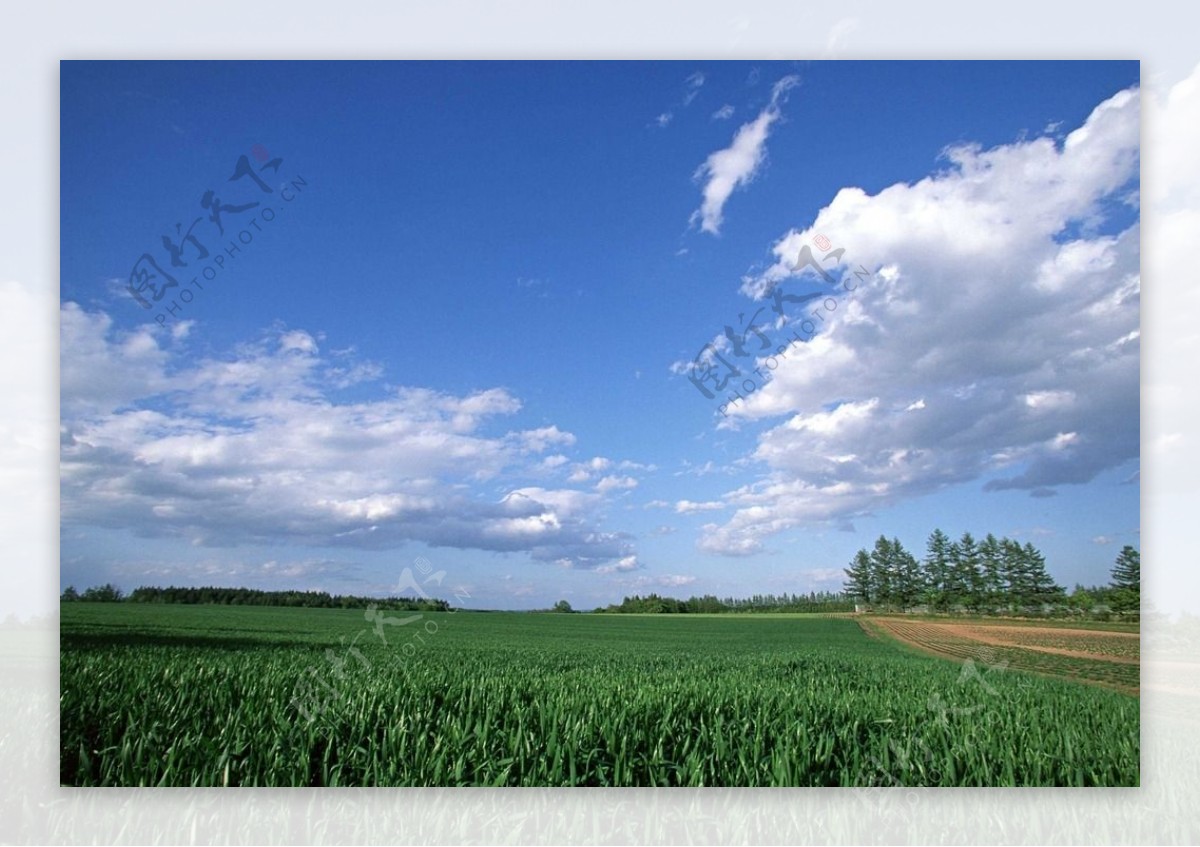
[(992, 576), (252, 597), (818, 601)]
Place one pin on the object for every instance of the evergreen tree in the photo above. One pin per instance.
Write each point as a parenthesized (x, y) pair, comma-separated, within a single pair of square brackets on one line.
[(1042, 587), (1012, 570), (964, 572), (883, 576), (1127, 580), (859, 582), (991, 566), (910, 581), (937, 570)]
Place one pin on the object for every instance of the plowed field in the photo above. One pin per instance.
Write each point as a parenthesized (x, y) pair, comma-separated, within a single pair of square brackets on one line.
[(1102, 658)]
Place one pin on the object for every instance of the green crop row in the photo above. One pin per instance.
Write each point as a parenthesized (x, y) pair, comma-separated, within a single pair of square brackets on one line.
[(315, 697)]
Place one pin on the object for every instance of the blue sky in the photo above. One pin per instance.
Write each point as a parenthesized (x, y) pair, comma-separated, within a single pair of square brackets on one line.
[(467, 334)]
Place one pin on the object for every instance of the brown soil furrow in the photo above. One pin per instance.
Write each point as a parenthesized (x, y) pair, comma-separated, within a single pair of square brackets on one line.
[(959, 641), (975, 635)]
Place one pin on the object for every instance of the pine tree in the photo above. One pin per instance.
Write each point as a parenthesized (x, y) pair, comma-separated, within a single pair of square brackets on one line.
[(1042, 586), (964, 569), (883, 577), (991, 565), (859, 583), (937, 569), (1012, 571), (1127, 580), (910, 581)]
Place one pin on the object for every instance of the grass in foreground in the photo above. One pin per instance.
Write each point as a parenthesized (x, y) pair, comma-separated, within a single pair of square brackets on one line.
[(178, 695)]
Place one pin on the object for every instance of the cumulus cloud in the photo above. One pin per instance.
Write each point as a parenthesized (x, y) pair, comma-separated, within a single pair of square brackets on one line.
[(736, 166), (996, 334), (253, 448), (106, 369)]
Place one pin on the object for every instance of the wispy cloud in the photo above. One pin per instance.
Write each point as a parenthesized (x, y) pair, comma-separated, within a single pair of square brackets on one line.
[(686, 507), (736, 165), (691, 89)]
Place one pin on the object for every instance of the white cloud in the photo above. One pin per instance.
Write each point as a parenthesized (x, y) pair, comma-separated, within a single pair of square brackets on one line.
[(1020, 341), (252, 448), (736, 165), (539, 440), (298, 340), (552, 462), (105, 369), (627, 465), (709, 467), (724, 113), (614, 482), (623, 565), (598, 465), (685, 507), (691, 88), (1048, 399)]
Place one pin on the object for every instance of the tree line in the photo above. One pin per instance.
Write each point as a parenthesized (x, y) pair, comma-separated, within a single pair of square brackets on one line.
[(992, 576), (814, 601), (251, 597)]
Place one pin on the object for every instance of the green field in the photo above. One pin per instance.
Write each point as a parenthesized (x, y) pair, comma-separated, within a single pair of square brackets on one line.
[(219, 695)]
